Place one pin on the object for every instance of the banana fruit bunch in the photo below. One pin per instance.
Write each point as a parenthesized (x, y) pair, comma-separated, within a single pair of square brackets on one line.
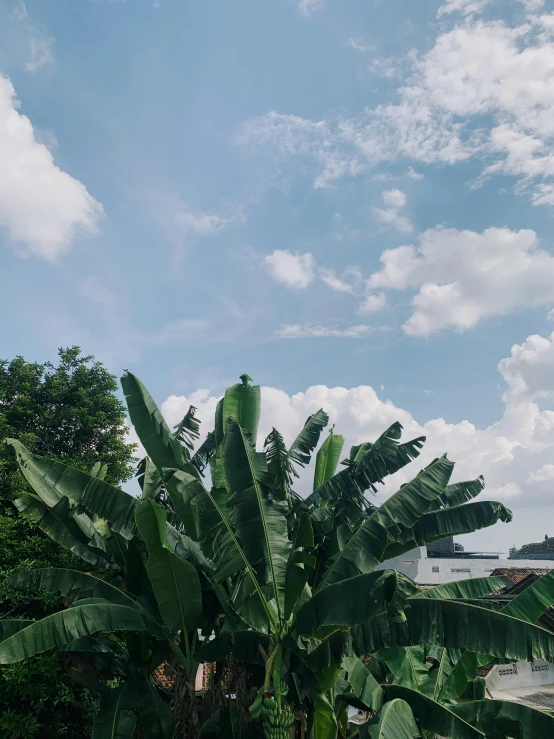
[(276, 721)]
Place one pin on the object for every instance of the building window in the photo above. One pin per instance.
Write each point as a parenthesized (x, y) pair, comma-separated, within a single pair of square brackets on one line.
[(435, 569), (508, 670), (535, 667), (408, 561), (462, 569)]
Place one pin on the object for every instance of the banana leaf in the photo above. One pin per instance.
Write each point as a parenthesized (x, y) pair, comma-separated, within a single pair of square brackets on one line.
[(302, 447), (458, 625), (462, 492), (99, 470), (53, 480), (60, 524), (149, 478), (383, 458), (60, 628), (499, 719), (324, 719), (327, 459), (279, 467), (355, 601), (175, 582), (161, 446), (473, 588), (70, 583), (453, 521), (534, 601), (362, 682), (407, 664), (260, 520), (10, 626), (395, 719), (433, 716), (366, 547), (464, 672), (115, 718)]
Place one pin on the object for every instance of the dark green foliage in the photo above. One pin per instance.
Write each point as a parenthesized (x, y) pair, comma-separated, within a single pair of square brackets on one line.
[(65, 411)]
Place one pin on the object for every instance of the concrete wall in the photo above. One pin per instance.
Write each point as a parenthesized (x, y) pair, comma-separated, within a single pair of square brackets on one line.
[(437, 571), (520, 675)]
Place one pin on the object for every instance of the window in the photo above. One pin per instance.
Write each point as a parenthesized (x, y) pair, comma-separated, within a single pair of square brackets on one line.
[(462, 569), (435, 569), (509, 670), (539, 667)]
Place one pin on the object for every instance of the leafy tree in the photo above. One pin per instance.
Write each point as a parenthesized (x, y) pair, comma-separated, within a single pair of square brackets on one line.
[(283, 594), (69, 411)]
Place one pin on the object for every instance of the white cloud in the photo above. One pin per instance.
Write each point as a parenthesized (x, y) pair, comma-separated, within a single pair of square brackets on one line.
[(19, 11), (348, 283), (529, 370), (308, 331), (395, 201), (373, 303), (294, 270), (544, 474), (308, 7), (42, 208), (463, 277), (40, 52), (464, 7), (413, 175), (485, 89), (513, 454)]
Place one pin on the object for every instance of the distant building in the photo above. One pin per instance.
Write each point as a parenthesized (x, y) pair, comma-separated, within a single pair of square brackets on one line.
[(446, 561)]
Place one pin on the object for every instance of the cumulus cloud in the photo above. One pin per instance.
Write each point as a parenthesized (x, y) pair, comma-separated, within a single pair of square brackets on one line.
[(42, 208), (463, 277), (373, 303), (485, 89), (391, 214), (513, 454), (294, 270), (529, 370), (413, 175), (464, 7)]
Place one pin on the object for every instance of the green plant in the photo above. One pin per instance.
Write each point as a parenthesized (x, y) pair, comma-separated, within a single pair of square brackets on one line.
[(280, 592)]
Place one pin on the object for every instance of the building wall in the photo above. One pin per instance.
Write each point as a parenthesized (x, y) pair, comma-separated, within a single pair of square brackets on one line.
[(437, 571), (520, 675)]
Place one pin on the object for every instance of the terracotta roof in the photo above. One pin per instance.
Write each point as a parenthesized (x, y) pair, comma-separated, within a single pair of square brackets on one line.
[(517, 574)]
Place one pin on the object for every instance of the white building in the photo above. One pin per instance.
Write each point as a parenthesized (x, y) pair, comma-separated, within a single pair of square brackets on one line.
[(437, 570)]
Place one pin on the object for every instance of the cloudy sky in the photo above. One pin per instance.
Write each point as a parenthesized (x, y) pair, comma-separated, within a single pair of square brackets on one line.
[(351, 200)]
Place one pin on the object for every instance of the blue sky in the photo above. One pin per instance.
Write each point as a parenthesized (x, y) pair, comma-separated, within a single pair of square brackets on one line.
[(325, 194)]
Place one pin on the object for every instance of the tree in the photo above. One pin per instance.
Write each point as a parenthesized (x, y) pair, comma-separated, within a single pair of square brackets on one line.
[(282, 593), (69, 411)]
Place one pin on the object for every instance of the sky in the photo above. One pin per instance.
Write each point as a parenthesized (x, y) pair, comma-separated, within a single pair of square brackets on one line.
[(350, 200)]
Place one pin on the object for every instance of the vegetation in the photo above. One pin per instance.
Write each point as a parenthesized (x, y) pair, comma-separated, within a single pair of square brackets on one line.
[(68, 411), (281, 593)]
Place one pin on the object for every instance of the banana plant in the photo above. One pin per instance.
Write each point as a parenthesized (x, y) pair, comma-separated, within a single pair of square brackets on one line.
[(245, 572)]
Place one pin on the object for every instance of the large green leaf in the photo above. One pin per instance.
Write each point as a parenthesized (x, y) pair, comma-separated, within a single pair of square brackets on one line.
[(182, 489), (155, 716), (394, 720), (175, 582), (53, 480), (473, 588), (432, 716), (401, 511), (260, 520), (453, 521), (327, 459), (458, 625), (60, 628), (383, 458), (114, 719), (364, 685), (325, 721), (10, 626), (149, 478), (242, 402), (407, 664), (280, 468), (160, 444), (299, 566), (70, 583), (302, 447), (462, 492), (534, 601), (462, 673), (499, 719), (355, 601), (61, 525)]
